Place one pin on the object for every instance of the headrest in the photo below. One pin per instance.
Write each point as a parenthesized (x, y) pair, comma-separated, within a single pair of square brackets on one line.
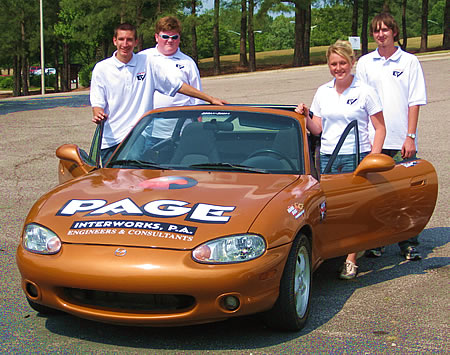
[(213, 125)]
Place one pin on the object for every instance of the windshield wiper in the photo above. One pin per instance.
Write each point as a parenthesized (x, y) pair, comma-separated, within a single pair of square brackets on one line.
[(136, 163), (228, 166)]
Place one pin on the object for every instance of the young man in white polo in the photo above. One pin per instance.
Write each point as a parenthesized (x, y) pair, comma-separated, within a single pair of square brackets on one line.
[(123, 86), (398, 78), (167, 51)]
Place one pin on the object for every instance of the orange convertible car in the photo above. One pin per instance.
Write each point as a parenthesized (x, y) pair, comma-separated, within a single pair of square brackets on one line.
[(223, 213)]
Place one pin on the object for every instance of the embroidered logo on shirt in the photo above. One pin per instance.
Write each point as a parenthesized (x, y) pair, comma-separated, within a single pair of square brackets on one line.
[(397, 73), (179, 66), (141, 76), (351, 101)]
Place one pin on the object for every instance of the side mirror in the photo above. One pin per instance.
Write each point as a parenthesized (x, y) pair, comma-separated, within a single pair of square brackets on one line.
[(70, 153), (374, 163)]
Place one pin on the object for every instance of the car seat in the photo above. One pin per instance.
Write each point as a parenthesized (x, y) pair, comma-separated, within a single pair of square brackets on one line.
[(286, 142), (197, 145)]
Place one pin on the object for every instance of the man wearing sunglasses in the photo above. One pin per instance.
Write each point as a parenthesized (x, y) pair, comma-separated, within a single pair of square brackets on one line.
[(167, 52), (123, 86)]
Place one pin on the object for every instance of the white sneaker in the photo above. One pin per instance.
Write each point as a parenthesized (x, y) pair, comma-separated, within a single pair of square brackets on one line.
[(349, 270)]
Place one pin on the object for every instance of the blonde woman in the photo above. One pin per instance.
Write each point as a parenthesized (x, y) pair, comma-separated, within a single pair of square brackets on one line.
[(335, 105)]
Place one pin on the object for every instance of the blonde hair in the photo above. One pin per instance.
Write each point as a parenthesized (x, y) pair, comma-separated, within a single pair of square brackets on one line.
[(343, 49)]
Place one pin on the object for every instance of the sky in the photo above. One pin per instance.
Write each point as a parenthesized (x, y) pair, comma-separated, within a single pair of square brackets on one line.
[(208, 4)]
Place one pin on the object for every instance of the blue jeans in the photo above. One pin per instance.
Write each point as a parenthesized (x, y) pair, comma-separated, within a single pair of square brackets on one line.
[(397, 155), (344, 163), (106, 153), (151, 141)]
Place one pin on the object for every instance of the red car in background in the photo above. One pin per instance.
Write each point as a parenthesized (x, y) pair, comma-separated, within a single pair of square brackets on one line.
[(34, 70)]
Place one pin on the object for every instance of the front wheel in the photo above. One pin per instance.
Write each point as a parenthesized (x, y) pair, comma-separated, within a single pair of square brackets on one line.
[(291, 309)]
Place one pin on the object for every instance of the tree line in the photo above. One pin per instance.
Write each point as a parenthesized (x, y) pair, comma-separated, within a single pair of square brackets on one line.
[(78, 34)]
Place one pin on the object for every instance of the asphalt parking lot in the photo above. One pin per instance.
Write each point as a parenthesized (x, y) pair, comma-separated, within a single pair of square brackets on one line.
[(393, 306)]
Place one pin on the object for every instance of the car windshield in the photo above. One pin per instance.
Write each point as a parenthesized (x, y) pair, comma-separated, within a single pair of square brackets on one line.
[(241, 141)]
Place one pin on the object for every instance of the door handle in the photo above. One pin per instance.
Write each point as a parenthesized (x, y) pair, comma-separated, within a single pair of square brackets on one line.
[(418, 181)]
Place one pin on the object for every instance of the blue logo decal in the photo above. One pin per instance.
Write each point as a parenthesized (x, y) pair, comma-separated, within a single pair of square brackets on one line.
[(351, 101), (141, 76), (397, 73)]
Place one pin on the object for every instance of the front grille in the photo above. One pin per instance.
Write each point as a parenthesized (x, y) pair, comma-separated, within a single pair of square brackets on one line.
[(130, 301)]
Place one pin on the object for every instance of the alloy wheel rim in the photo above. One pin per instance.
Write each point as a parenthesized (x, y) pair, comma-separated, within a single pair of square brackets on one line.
[(302, 281)]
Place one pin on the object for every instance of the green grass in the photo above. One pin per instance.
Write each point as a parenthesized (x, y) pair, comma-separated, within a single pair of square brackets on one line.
[(283, 58)]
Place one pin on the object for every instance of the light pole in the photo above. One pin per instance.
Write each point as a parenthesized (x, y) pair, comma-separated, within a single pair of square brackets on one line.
[(42, 49), (237, 33), (312, 27)]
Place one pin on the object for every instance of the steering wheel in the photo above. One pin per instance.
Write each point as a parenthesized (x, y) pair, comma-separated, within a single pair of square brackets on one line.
[(274, 152), (165, 142)]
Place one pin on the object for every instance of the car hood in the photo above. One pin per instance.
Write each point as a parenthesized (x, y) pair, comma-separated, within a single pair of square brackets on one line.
[(154, 208)]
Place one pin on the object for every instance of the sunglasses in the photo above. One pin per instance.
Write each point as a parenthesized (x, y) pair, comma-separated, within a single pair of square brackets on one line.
[(174, 37)]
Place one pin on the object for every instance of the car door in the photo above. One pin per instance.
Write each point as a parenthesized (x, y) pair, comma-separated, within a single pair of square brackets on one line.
[(377, 204), (94, 153)]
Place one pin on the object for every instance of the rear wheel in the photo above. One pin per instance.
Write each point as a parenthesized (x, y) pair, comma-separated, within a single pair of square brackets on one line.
[(291, 309)]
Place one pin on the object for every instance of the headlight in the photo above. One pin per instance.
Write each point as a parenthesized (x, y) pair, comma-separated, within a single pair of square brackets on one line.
[(232, 249), (38, 239)]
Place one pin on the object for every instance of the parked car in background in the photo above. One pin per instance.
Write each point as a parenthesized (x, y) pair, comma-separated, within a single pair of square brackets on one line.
[(48, 71), (34, 70)]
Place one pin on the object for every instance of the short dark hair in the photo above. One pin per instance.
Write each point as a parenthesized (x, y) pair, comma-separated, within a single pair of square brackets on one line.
[(168, 23), (388, 20), (125, 27)]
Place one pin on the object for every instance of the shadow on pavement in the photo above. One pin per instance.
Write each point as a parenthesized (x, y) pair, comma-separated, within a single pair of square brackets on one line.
[(328, 298), (42, 103)]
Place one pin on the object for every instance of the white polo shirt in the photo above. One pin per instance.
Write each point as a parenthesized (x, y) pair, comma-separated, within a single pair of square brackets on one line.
[(178, 64), (400, 83), (185, 67), (358, 102), (125, 92)]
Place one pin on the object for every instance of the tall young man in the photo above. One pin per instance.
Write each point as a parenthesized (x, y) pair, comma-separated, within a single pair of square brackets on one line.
[(399, 81), (168, 37), (122, 88), (167, 51)]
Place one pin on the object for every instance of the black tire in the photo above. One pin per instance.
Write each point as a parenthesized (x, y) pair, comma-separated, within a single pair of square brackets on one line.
[(42, 309), (291, 309)]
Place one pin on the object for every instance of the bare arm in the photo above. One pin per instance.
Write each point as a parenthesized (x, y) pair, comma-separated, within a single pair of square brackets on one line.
[(409, 145), (193, 92), (380, 132), (98, 115), (314, 124)]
